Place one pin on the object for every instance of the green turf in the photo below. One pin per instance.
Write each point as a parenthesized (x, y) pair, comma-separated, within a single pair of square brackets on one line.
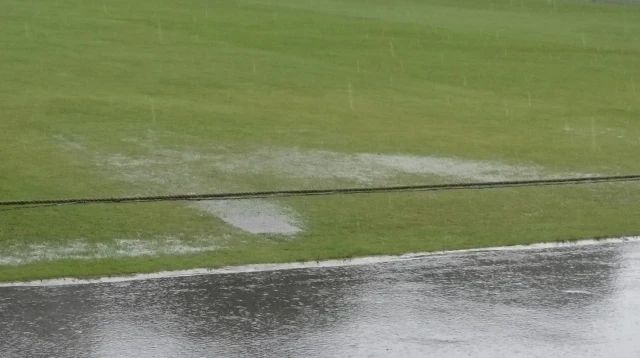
[(535, 82)]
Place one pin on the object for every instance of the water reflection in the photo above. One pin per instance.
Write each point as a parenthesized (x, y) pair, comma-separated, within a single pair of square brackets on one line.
[(576, 301)]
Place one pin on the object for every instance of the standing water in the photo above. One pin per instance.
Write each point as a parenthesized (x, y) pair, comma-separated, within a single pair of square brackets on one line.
[(574, 301)]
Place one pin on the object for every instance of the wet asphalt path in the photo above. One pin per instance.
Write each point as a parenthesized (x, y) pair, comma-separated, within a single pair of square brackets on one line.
[(561, 302)]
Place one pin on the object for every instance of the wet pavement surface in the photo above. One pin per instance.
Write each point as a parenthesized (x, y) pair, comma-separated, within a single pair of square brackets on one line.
[(577, 301)]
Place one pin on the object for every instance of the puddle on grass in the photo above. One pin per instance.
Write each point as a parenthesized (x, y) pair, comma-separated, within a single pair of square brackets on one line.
[(20, 254), (254, 216), (190, 171), (370, 168), (517, 252)]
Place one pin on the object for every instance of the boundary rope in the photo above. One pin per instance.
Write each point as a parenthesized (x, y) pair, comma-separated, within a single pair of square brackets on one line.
[(29, 204)]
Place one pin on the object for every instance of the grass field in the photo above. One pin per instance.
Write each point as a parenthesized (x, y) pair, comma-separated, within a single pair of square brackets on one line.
[(119, 97)]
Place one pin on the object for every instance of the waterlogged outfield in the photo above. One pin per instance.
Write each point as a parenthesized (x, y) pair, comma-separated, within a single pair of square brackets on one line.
[(102, 98)]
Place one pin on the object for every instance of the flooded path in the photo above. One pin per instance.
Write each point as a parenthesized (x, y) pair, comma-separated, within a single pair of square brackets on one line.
[(576, 301)]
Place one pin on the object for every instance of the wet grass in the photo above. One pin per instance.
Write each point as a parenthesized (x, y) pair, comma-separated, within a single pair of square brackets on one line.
[(554, 84)]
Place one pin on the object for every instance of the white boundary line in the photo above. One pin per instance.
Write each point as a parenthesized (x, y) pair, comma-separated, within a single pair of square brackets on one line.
[(308, 264)]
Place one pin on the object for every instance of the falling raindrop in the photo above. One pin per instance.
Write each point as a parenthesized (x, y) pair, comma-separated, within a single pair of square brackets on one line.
[(593, 134), (358, 65), (626, 26), (253, 62), (584, 41), (350, 90), (160, 35), (153, 112), (393, 52), (622, 134), (506, 108)]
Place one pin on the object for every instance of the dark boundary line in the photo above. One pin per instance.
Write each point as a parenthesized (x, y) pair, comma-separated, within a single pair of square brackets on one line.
[(27, 204)]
